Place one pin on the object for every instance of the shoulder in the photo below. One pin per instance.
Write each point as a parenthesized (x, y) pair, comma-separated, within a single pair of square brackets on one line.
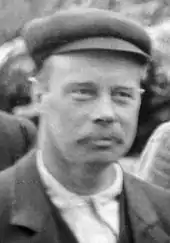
[(28, 126), (5, 117), (158, 197), (9, 127), (11, 178), (150, 189), (7, 182), (9, 119), (7, 197), (9, 123)]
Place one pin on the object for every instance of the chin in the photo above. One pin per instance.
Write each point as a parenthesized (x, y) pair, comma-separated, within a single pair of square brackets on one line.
[(104, 157)]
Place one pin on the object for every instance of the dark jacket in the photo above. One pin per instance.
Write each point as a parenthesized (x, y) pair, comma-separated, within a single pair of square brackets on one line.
[(26, 214), (17, 135)]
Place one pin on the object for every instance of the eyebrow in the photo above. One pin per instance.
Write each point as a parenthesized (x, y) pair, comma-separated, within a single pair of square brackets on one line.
[(121, 87), (128, 89), (90, 84)]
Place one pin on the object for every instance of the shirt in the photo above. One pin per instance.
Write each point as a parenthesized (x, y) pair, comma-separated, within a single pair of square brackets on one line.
[(92, 219)]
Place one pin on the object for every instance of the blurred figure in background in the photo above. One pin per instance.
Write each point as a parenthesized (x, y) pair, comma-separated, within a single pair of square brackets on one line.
[(17, 93), (14, 89), (155, 106), (17, 134), (154, 165), (25, 99)]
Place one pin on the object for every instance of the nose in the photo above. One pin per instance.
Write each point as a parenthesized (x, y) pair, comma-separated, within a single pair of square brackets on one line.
[(104, 113)]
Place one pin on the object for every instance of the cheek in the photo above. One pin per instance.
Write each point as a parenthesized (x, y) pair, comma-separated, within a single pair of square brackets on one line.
[(129, 121), (66, 117), (128, 124)]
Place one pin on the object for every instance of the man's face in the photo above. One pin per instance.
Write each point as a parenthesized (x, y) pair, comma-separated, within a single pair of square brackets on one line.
[(92, 106)]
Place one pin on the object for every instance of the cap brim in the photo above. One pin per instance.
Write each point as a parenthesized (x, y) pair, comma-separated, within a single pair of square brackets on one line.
[(101, 43)]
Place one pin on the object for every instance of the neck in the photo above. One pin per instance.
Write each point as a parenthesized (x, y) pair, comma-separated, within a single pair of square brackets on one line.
[(86, 179)]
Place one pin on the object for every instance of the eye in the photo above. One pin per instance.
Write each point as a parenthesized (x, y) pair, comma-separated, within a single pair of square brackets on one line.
[(122, 96)]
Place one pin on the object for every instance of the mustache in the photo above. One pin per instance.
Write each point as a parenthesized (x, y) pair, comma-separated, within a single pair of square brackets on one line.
[(114, 136)]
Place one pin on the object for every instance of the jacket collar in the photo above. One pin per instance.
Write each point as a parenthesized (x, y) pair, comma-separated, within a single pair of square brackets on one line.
[(138, 201), (31, 207), (144, 220)]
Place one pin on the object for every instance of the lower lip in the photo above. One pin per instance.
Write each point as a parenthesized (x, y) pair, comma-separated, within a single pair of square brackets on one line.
[(102, 143)]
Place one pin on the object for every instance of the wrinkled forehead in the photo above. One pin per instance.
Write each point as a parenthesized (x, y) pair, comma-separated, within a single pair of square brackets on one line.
[(92, 62)]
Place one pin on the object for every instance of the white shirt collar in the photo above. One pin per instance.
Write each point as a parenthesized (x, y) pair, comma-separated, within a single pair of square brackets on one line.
[(66, 199)]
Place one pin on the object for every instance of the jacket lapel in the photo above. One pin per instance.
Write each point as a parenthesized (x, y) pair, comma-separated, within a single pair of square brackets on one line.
[(125, 235), (145, 224), (30, 209)]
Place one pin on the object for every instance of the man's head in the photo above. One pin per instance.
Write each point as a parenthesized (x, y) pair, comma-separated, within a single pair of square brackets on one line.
[(91, 88), (92, 103)]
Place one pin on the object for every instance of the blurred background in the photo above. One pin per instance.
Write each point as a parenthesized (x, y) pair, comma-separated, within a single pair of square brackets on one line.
[(18, 94)]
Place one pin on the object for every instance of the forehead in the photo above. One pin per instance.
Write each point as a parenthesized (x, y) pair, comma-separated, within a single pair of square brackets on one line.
[(93, 65)]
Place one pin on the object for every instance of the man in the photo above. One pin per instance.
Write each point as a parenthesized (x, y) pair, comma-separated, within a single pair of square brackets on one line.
[(71, 188), (17, 137)]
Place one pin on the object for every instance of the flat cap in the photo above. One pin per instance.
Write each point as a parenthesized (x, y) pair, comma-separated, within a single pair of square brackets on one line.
[(84, 29)]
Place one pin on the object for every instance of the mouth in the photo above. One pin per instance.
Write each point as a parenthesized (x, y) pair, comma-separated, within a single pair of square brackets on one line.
[(104, 142)]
